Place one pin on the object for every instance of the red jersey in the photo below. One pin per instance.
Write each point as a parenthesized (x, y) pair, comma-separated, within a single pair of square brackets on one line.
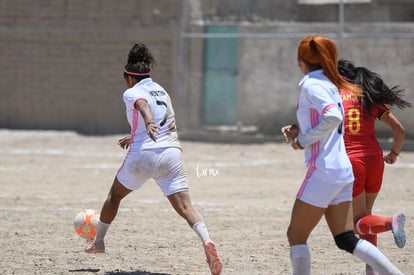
[(359, 136)]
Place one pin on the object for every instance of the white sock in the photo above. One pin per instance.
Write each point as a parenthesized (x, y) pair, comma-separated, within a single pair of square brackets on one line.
[(101, 229), (300, 258), (201, 229), (372, 256)]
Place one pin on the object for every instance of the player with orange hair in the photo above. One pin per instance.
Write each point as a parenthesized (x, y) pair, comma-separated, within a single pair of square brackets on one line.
[(327, 188)]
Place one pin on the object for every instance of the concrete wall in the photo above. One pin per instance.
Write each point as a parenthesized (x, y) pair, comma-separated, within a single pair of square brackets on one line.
[(62, 60), (268, 74)]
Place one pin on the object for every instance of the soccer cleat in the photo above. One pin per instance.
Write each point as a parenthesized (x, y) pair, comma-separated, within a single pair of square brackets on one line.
[(214, 262), (397, 228), (95, 247)]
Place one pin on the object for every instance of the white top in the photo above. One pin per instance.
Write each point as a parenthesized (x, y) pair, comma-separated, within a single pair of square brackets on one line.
[(160, 104), (320, 116)]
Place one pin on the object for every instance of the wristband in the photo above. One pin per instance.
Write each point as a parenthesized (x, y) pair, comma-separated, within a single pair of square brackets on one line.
[(392, 151)]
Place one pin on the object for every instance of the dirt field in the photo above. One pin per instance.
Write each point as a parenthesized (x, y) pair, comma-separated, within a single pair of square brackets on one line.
[(245, 193)]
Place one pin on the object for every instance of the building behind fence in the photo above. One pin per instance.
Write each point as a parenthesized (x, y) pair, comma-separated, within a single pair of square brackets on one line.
[(227, 64)]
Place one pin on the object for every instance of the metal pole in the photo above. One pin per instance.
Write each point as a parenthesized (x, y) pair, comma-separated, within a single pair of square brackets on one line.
[(180, 61), (341, 28)]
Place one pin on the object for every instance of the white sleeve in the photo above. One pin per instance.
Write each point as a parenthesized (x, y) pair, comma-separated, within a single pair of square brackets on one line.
[(331, 119)]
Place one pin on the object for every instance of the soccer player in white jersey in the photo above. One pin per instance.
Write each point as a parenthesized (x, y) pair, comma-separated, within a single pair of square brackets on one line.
[(327, 188), (154, 152)]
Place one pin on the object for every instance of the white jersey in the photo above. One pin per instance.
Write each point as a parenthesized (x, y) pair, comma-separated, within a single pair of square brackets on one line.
[(319, 114), (163, 115)]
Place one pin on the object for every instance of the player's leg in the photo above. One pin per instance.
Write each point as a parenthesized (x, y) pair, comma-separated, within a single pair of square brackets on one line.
[(374, 224), (340, 221), (136, 169), (111, 204), (309, 207), (181, 202), (303, 220), (172, 179), (359, 204), (381, 224), (366, 224), (108, 213), (362, 205)]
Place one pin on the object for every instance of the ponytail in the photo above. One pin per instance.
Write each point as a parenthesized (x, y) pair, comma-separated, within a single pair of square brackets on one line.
[(321, 52), (140, 61)]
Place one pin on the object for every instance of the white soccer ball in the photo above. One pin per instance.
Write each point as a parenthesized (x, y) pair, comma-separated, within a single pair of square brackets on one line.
[(85, 223)]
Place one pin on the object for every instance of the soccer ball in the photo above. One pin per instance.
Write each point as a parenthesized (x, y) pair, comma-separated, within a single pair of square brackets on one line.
[(85, 223)]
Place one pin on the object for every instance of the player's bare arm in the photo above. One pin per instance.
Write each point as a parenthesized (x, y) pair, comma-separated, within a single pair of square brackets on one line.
[(143, 107), (398, 137)]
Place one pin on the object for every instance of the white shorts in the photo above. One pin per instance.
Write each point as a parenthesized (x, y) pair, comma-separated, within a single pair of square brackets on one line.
[(164, 165), (319, 192)]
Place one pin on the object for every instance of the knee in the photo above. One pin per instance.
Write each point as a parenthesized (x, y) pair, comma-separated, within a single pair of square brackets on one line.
[(296, 235), (185, 210), (346, 241), (181, 203), (290, 236)]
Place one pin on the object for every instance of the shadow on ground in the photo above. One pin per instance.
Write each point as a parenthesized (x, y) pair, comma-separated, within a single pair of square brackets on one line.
[(137, 272), (115, 272)]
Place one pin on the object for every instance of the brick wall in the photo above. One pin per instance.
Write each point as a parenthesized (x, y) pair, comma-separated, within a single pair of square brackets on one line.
[(62, 61)]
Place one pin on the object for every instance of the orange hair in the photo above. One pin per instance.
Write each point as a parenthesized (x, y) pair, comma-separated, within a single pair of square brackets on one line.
[(321, 52)]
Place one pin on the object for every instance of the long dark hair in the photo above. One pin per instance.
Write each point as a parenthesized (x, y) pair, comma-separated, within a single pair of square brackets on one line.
[(375, 90), (140, 62)]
